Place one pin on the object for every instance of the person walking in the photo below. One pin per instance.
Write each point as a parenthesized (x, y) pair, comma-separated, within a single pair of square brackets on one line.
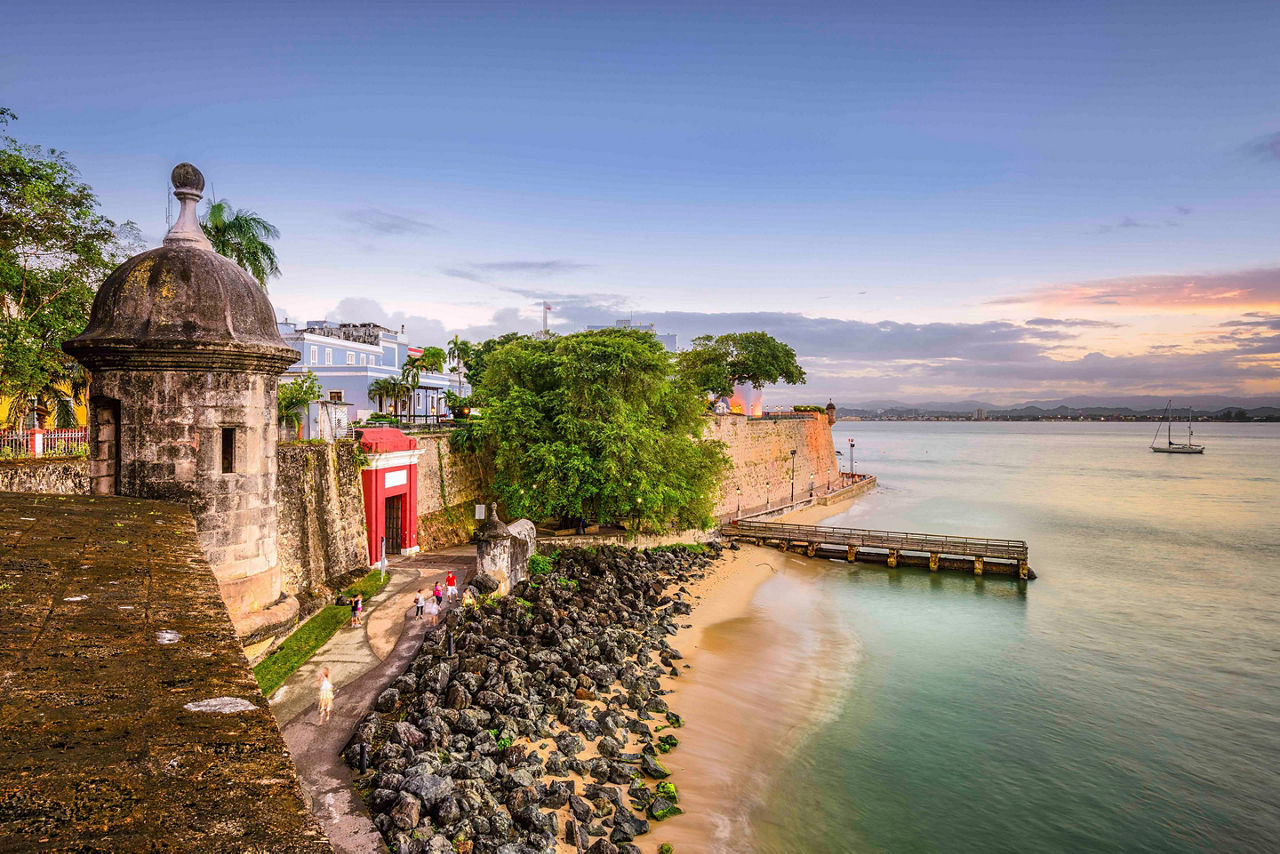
[(326, 695), (355, 611), (359, 608), (433, 610), (438, 592), (419, 603), (450, 586)]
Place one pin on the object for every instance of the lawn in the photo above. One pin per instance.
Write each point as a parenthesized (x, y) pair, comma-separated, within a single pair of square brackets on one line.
[(310, 636)]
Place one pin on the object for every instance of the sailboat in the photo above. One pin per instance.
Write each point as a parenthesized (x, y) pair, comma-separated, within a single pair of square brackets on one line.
[(1170, 446)]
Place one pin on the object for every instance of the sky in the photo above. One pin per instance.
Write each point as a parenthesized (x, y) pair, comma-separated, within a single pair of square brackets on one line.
[(928, 201)]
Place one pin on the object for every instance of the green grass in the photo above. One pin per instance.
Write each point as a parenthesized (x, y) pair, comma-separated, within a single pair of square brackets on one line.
[(310, 636)]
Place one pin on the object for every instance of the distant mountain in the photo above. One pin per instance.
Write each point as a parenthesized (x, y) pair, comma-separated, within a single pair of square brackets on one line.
[(1080, 404)]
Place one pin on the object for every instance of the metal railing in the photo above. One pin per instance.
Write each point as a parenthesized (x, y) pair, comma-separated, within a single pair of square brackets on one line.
[(62, 442)]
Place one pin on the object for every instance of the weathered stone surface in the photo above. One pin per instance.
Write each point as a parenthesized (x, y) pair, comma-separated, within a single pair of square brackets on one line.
[(50, 475), (92, 710), (321, 517)]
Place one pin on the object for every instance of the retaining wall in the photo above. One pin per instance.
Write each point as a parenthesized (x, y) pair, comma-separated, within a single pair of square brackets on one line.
[(51, 475), (449, 487)]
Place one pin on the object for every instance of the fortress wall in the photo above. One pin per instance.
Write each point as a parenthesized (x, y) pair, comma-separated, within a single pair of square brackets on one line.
[(321, 517), (760, 451)]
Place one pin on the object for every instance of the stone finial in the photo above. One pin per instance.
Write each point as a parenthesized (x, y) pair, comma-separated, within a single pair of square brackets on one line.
[(188, 187)]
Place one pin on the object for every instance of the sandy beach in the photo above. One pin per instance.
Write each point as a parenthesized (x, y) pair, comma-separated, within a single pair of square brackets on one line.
[(753, 684)]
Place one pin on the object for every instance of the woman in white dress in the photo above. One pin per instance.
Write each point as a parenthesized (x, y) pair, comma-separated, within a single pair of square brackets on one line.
[(326, 695)]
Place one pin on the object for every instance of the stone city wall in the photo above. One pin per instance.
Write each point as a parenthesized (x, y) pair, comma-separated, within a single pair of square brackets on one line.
[(760, 450), (449, 487), (321, 519), (51, 475)]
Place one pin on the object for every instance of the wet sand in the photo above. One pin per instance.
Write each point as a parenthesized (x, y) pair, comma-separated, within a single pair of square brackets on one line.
[(756, 648)]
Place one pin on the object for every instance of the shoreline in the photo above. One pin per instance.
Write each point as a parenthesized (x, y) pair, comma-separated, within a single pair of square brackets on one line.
[(771, 696)]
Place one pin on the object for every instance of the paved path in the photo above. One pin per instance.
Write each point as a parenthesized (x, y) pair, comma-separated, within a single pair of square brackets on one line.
[(362, 661)]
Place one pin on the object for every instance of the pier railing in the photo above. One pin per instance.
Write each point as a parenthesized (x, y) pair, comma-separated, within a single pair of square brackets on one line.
[(941, 549)]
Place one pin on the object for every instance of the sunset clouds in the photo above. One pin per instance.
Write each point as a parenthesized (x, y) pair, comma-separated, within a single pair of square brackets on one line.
[(1256, 288)]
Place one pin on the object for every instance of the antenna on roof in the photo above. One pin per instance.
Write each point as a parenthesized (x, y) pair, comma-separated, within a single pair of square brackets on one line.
[(168, 206)]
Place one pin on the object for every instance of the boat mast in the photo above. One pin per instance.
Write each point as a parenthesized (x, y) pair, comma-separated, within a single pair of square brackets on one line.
[(1169, 423), (1162, 417)]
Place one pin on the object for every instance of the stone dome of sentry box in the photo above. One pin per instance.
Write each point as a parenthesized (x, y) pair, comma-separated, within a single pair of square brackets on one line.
[(182, 305), (185, 357)]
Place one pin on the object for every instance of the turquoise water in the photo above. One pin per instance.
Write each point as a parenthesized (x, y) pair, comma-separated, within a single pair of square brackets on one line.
[(1128, 700)]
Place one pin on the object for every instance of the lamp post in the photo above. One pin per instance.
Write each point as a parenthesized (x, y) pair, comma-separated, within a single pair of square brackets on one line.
[(739, 513), (793, 475), (811, 486), (766, 495), (828, 479)]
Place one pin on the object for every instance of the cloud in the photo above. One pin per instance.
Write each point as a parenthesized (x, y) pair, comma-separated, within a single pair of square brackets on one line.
[(384, 223), (1184, 211), (855, 359), (1256, 287), (1127, 222), (1265, 148), (485, 271), (1071, 322)]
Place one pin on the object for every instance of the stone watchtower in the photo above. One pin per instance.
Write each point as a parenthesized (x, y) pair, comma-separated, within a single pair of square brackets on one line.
[(185, 356)]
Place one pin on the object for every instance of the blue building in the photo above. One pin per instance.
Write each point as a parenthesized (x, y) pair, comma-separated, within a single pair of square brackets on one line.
[(347, 357)]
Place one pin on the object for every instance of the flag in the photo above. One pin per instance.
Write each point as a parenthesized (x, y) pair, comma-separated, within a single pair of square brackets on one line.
[(546, 306)]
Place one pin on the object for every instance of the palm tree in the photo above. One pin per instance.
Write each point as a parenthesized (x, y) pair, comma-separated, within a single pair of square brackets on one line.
[(56, 400), (388, 388), (459, 354), (430, 360), (242, 236)]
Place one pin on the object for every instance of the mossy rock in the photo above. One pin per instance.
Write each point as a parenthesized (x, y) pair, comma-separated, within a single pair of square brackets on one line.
[(666, 789), (665, 848), (667, 743), (661, 809)]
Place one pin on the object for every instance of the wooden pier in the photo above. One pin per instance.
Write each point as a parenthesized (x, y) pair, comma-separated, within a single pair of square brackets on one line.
[(893, 548)]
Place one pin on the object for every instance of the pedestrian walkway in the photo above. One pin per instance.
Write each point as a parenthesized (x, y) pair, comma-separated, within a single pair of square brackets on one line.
[(362, 662)]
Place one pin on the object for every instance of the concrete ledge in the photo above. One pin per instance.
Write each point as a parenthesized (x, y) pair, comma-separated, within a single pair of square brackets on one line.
[(129, 719)]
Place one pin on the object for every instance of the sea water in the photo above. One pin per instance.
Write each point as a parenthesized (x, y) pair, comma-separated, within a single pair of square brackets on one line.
[(1127, 700)]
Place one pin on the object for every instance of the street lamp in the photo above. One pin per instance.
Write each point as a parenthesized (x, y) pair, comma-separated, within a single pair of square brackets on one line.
[(766, 495), (739, 513), (828, 479), (793, 475), (811, 486)]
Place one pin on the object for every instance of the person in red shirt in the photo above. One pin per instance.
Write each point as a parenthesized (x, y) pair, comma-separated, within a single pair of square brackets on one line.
[(450, 586)]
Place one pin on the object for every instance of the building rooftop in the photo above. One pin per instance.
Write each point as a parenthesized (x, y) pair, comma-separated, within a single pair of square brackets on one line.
[(129, 719)]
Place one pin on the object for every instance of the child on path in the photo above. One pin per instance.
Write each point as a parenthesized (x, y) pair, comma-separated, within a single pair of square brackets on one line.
[(419, 603), (359, 609), (438, 592), (355, 611), (326, 695), (451, 586)]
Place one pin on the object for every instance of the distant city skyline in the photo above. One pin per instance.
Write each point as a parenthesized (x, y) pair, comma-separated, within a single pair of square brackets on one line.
[(928, 201)]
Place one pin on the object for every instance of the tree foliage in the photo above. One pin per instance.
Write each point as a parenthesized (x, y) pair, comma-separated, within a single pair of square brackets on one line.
[(56, 247), (459, 355), (430, 360), (391, 389), (717, 364), (242, 236), (293, 397), (594, 425)]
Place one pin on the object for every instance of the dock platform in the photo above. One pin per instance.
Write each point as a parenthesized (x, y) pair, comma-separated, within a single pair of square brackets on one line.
[(978, 555)]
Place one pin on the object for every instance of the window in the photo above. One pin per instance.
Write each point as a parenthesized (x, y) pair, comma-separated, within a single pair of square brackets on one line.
[(364, 358), (315, 355), (351, 358), (228, 450), (336, 396), (328, 355)]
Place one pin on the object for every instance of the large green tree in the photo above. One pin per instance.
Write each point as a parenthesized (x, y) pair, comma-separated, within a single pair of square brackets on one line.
[(242, 236), (56, 247), (595, 425), (717, 364)]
